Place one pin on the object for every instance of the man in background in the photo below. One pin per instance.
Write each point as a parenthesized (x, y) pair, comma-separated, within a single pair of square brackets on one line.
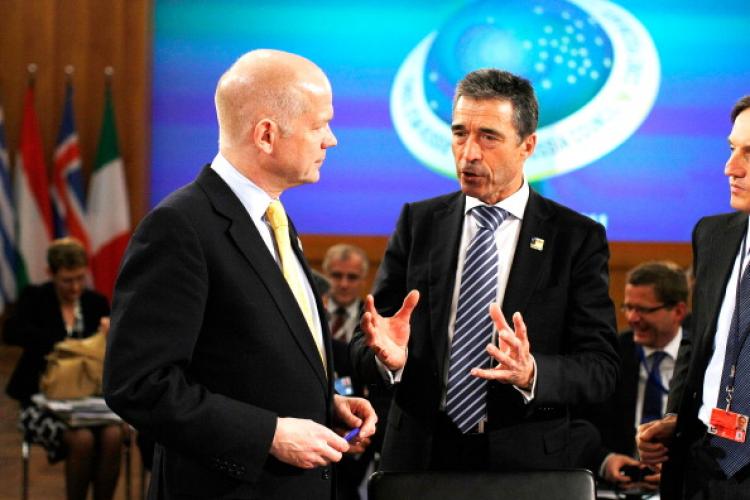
[(702, 439), (219, 347), (655, 305), (346, 268)]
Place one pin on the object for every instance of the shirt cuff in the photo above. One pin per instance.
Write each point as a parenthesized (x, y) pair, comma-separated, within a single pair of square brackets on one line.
[(391, 377), (528, 395)]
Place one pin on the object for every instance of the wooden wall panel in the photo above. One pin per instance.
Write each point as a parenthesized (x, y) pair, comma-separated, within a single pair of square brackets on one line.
[(90, 35), (624, 256)]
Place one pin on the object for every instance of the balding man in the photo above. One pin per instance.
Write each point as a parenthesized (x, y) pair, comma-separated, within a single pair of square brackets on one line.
[(219, 347)]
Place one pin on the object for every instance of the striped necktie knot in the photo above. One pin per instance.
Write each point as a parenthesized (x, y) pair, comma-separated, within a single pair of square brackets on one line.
[(489, 217)]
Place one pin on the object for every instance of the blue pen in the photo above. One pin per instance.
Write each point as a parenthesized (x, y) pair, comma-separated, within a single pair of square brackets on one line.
[(351, 434)]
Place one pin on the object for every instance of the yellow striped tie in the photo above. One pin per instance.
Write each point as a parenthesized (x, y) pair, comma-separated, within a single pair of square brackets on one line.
[(279, 223)]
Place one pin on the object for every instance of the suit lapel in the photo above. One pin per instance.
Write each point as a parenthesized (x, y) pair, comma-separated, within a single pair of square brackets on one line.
[(722, 250), (244, 234), (447, 222), (527, 262)]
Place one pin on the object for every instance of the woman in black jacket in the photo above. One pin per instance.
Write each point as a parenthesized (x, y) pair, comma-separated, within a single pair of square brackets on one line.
[(44, 315)]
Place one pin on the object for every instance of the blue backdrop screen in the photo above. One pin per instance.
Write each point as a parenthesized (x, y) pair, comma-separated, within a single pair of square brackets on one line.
[(634, 100)]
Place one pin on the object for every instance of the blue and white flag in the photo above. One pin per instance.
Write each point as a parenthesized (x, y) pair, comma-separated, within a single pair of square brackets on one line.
[(7, 226)]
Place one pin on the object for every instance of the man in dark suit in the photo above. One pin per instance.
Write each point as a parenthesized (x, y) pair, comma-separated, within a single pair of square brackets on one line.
[(698, 464), (470, 391), (346, 267), (219, 347), (656, 295)]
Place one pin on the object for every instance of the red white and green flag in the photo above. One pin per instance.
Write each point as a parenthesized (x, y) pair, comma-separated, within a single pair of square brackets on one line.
[(108, 207), (32, 200)]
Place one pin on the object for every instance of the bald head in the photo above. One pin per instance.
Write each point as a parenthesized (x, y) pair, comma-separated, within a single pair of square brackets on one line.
[(274, 111), (264, 84)]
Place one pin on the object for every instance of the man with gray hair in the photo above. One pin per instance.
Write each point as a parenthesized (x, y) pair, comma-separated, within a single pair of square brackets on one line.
[(472, 392), (346, 267), (219, 347)]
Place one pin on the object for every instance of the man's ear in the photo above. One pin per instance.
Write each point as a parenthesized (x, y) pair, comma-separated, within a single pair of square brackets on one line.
[(265, 134), (529, 144), (681, 311)]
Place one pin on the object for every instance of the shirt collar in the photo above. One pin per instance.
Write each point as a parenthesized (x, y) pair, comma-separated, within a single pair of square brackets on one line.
[(253, 198), (351, 310), (514, 204)]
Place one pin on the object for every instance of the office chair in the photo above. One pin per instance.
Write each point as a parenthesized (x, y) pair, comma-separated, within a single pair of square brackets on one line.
[(572, 484)]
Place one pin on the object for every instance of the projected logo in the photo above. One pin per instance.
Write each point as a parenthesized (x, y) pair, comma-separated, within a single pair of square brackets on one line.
[(593, 65)]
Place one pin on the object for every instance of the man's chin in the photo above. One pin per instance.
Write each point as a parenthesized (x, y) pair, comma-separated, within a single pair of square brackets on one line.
[(643, 338), (740, 204), (470, 189)]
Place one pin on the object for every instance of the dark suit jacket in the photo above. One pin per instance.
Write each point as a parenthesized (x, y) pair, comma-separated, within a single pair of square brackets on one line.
[(36, 324), (716, 242), (616, 419), (562, 292), (208, 347)]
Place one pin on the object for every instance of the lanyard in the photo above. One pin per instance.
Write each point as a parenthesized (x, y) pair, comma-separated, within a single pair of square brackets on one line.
[(651, 371), (734, 345)]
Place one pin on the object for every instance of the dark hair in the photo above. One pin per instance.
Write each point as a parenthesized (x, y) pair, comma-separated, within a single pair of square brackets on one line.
[(740, 106), (491, 83), (668, 279), (66, 252)]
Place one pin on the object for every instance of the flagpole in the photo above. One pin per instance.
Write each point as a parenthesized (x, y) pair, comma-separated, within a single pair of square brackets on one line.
[(69, 70), (32, 68), (109, 71)]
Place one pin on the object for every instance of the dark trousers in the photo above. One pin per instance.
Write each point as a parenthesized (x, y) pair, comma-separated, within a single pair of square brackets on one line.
[(454, 451), (704, 479)]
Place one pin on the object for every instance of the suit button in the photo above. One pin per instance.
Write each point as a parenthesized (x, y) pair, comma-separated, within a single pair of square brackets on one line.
[(326, 474)]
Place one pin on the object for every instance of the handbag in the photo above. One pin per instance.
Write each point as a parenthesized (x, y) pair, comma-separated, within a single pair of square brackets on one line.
[(74, 368)]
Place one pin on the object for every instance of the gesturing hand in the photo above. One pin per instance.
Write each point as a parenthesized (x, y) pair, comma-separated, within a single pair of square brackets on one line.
[(306, 444), (388, 337), (515, 363)]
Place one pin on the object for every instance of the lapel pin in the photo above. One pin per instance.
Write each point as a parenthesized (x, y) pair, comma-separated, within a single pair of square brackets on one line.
[(537, 244), (299, 244)]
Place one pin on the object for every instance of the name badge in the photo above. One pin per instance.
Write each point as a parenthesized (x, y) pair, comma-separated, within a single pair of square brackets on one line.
[(728, 425)]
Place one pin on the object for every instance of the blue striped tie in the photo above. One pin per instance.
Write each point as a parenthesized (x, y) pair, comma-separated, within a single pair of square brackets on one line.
[(737, 455), (466, 395)]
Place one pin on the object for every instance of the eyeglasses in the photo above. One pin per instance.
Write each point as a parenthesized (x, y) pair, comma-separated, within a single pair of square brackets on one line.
[(629, 308), (350, 276)]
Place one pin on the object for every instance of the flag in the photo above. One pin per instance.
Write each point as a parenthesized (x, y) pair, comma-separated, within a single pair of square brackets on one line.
[(33, 208), (68, 195), (108, 212), (7, 227)]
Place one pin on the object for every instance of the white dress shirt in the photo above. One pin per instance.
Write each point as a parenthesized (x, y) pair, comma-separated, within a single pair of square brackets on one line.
[(352, 317), (256, 201), (506, 238), (712, 379)]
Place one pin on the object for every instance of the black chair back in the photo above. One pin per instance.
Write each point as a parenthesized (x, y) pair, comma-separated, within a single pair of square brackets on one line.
[(573, 484)]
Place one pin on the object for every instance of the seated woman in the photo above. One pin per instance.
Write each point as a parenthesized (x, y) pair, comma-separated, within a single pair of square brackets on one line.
[(46, 314)]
